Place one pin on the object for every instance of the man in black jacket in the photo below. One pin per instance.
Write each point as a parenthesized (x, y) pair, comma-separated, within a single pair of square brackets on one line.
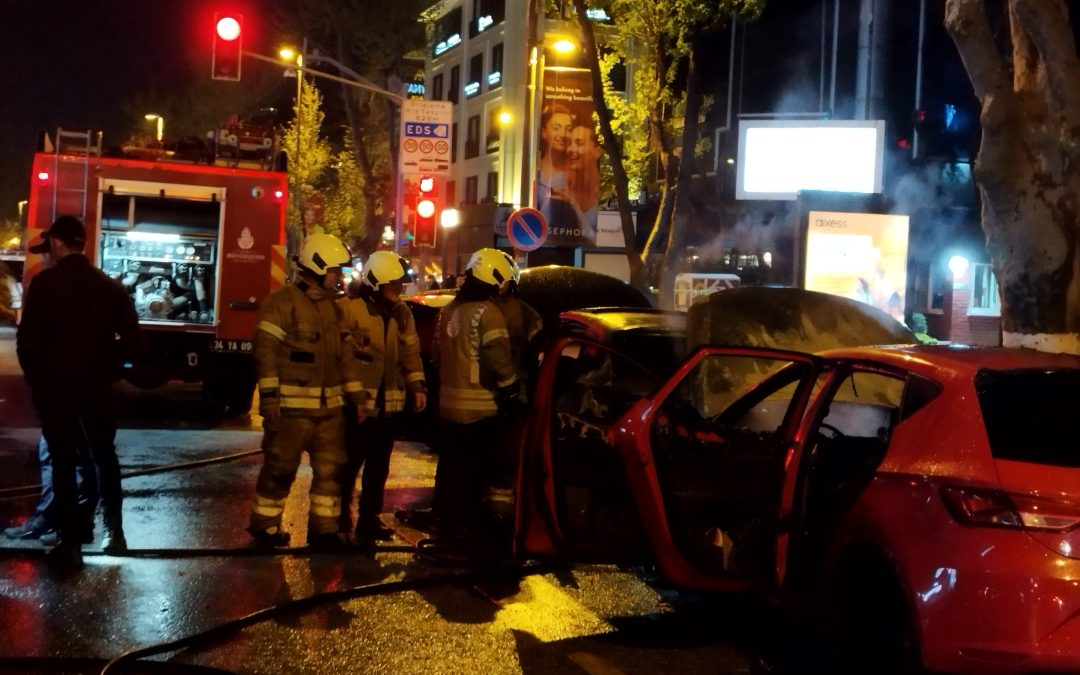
[(78, 328)]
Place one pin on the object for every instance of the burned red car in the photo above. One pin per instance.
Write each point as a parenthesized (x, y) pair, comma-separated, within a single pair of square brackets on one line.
[(924, 501)]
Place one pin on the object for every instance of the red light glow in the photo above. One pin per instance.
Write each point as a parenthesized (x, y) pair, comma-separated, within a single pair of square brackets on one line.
[(228, 28)]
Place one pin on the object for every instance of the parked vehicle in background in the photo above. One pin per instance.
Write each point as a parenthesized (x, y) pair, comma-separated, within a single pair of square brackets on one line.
[(197, 247), (923, 501)]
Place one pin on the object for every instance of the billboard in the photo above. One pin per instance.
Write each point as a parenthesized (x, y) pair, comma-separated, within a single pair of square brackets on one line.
[(778, 158), (862, 256), (568, 158)]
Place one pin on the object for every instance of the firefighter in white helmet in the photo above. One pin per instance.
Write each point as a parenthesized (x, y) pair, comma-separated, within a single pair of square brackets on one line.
[(524, 325), (303, 384), (477, 378), (386, 351)]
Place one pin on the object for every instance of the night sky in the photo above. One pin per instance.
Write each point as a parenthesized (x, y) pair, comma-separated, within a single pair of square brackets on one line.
[(80, 65)]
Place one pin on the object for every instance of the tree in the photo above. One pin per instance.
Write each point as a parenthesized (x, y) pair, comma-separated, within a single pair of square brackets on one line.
[(309, 161), (662, 43), (1026, 165), (375, 41)]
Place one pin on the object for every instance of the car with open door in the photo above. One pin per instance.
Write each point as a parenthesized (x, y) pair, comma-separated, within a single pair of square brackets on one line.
[(923, 500)]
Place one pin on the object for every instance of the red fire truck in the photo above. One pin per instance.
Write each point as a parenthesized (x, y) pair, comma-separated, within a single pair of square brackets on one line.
[(197, 245)]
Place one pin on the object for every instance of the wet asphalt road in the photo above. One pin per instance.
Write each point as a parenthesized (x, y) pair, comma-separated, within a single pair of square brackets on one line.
[(191, 581)]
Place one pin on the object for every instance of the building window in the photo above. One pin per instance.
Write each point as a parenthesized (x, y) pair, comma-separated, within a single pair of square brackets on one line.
[(453, 143), (984, 291), (437, 87), (494, 130), (494, 77), (471, 187), (486, 13), (492, 186), (454, 93), (472, 137), (476, 71), (447, 32), (451, 194)]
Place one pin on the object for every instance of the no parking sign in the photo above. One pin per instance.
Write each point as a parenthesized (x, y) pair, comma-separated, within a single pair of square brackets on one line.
[(527, 229)]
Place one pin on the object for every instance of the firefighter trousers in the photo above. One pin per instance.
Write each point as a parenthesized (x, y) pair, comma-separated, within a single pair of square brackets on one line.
[(369, 444), (322, 435)]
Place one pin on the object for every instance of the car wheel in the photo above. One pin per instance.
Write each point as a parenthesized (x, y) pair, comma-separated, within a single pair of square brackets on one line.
[(870, 620)]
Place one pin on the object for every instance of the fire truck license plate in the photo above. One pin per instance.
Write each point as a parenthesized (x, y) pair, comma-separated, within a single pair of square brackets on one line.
[(243, 346)]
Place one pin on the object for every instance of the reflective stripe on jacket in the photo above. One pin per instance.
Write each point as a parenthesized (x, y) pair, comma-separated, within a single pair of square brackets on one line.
[(385, 351), (298, 351), (472, 351)]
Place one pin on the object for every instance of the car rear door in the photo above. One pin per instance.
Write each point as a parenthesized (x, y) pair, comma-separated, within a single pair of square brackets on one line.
[(688, 475)]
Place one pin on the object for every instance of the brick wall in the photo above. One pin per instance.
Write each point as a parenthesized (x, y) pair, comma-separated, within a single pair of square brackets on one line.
[(971, 330)]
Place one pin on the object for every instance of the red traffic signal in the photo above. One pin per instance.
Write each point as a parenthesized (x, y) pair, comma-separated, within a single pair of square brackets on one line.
[(426, 211), (228, 47)]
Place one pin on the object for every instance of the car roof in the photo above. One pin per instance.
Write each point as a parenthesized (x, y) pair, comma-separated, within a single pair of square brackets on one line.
[(612, 319), (960, 359)]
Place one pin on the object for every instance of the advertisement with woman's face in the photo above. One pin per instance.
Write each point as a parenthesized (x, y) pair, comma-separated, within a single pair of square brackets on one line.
[(568, 171)]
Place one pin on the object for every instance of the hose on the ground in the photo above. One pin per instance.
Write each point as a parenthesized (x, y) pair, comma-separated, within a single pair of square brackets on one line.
[(519, 570), (22, 491)]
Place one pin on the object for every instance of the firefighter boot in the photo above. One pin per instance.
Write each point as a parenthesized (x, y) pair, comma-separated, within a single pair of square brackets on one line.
[(112, 533), (64, 559)]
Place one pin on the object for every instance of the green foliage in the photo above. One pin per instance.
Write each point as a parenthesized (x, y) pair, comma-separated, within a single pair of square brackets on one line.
[(309, 157), (651, 38)]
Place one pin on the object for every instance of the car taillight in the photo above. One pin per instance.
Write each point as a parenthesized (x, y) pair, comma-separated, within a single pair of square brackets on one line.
[(994, 508)]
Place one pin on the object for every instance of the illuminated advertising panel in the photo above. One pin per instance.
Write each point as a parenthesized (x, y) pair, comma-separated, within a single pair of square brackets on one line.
[(862, 256), (568, 163), (778, 158)]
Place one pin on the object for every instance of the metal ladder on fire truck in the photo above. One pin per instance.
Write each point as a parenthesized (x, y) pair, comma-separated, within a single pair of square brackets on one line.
[(73, 150)]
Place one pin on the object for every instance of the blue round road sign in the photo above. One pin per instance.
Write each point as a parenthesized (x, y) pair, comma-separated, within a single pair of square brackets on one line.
[(527, 229)]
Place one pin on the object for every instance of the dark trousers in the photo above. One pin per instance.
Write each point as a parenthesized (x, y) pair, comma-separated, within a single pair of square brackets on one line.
[(86, 482), (74, 416), (368, 444), (467, 453)]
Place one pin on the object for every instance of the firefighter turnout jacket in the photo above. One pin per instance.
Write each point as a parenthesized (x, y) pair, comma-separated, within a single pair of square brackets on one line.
[(472, 351), (385, 351), (523, 324), (298, 352)]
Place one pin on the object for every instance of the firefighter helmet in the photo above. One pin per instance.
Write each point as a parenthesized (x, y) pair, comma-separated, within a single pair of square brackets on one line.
[(382, 267), (321, 252), (491, 266), (515, 271)]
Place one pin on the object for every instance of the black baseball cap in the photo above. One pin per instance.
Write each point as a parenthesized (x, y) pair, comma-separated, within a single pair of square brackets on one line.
[(67, 229)]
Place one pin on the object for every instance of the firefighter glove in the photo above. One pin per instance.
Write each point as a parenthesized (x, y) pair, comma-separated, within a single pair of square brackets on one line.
[(270, 409), (508, 399), (419, 401)]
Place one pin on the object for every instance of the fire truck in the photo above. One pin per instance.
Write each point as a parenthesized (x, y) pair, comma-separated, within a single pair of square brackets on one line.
[(198, 245)]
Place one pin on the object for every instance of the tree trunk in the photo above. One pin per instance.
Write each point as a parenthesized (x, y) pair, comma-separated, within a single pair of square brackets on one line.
[(614, 152), (683, 211), (1026, 165)]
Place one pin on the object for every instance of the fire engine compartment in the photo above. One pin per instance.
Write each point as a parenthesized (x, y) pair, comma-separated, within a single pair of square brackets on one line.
[(164, 251)]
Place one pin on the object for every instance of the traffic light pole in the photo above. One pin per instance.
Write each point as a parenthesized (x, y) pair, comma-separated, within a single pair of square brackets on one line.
[(358, 82)]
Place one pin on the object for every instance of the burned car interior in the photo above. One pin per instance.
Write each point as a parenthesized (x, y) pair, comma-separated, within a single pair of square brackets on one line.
[(722, 444)]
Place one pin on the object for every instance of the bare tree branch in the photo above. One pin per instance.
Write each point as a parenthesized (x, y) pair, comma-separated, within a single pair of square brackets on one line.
[(1025, 55), (1047, 22), (967, 24)]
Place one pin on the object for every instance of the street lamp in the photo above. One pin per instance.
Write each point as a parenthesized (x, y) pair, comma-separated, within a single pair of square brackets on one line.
[(151, 117)]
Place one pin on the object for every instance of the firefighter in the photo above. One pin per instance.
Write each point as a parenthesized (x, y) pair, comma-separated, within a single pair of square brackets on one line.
[(477, 378), (524, 325), (303, 384), (386, 349)]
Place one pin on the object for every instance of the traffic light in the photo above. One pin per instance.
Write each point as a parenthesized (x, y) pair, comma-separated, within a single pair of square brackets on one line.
[(228, 45), (426, 213)]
